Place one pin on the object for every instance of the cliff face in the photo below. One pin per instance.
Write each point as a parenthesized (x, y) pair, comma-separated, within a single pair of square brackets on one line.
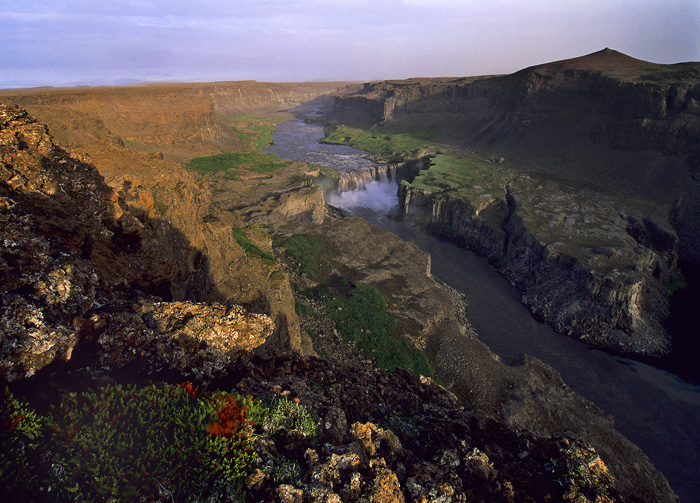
[(600, 137), (181, 121), (583, 263), (604, 98), (73, 258)]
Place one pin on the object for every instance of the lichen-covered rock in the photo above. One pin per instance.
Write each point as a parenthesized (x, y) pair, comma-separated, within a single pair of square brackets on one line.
[(448, 455), (70, 255), (198, 339)]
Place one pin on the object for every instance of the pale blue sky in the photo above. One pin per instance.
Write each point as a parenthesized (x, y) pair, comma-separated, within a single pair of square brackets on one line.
[(44, 42)]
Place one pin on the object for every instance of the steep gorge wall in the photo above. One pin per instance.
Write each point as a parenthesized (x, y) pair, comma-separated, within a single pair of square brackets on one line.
[(601, 124), (657, 109), (179, 121), (619, 307)]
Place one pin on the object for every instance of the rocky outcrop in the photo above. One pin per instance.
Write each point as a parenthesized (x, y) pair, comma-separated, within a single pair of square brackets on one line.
[(585, 263), (606, 285), (200, 340), (71, 246), (409, 442)]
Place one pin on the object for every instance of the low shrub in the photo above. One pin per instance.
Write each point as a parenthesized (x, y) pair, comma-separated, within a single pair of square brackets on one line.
[(253, 250), (21, 448), (120, 443), (286, 415)]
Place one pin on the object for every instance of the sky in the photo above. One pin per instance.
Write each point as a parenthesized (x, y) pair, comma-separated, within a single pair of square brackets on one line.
[(78, 42)]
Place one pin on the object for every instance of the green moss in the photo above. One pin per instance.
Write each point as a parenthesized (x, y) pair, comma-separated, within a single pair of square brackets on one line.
[(463, 177), (232, 164), (302, 309), (312, 254), (160, 206), (438, 281), (253, 250), (255, 132), (362, 319), (256, 411), (384, 144)]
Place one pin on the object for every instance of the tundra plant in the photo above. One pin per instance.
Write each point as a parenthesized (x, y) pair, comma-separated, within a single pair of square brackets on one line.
[(125, 443)]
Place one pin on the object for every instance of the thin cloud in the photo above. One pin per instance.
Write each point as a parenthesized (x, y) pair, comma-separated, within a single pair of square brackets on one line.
[(44, 41)]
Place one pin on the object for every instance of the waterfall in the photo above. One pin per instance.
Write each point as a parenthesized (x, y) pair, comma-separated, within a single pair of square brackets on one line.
[(358, 180)]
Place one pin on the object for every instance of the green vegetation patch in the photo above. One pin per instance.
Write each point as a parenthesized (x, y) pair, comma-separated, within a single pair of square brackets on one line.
[(127, 443), (255, 132), (384, 144), (233, 163), (244, 240), (286, 415), (21, 442), (124, 443), (312, 255), (361, 318), (462, 176), (302, 309)]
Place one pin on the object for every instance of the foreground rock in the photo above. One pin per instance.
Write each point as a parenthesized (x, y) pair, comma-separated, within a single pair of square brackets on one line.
[(70, 253), (407, 440)]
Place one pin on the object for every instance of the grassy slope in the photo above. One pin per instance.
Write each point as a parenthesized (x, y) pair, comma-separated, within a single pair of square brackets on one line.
[(255, 134)]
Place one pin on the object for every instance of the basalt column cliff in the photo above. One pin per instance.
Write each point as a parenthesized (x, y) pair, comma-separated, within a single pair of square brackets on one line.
[(578, 179)]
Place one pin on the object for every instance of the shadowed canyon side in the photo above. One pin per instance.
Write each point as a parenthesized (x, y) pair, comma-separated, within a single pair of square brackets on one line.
[(94, 278), (121, 128), (108, 277), (81, 269), (578, 179)]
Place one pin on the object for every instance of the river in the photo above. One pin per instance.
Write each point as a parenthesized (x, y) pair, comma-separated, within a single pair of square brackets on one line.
[(655, 409)]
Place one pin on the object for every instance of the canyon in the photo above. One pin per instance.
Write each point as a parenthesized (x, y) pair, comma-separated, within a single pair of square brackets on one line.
[(582, 184), (147, 266)]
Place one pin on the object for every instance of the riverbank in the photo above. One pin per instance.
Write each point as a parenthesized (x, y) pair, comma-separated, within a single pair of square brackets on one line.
[(653, 408)]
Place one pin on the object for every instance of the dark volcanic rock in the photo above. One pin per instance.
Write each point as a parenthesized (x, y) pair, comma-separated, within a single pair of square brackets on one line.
[(409, 440)]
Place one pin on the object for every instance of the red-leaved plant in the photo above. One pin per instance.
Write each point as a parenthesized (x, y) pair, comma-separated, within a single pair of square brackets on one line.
[(231, 418)]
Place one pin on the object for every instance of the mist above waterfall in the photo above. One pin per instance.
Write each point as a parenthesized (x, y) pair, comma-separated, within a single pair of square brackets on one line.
[(375, 195)]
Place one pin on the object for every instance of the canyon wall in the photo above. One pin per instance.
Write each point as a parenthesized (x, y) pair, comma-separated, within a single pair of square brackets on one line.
[(180, 121), (600, 193), (124, 268), (604, 286), (171, 209)]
